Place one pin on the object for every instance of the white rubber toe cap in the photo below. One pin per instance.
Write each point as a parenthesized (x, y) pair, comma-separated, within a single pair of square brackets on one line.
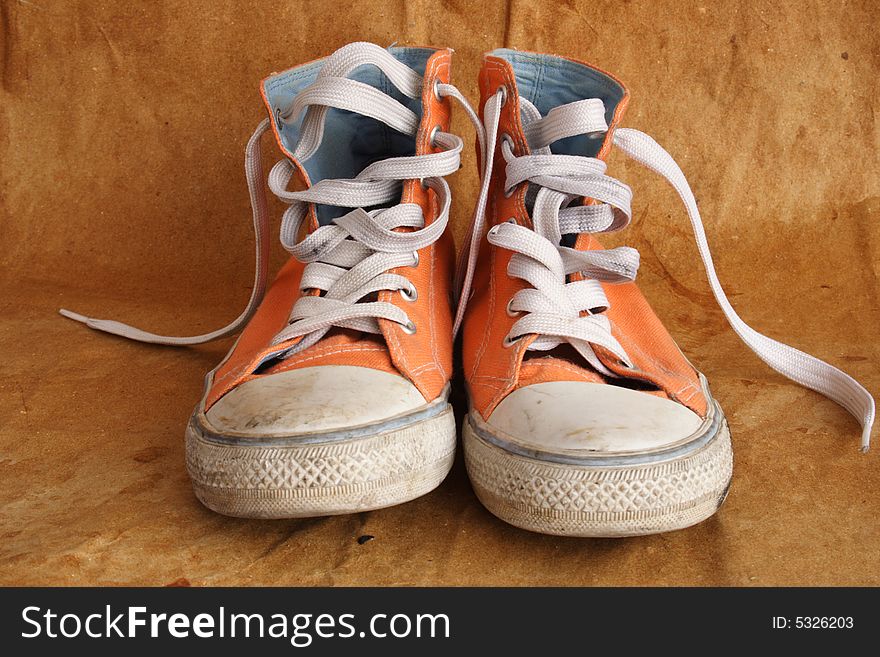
[(313, 399), (574, 417)]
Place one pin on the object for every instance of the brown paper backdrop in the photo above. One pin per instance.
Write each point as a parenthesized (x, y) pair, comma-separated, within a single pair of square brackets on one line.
[(122, 129)]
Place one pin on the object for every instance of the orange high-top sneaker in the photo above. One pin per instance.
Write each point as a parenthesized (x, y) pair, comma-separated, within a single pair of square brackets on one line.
[(585, 418), (334, 399)]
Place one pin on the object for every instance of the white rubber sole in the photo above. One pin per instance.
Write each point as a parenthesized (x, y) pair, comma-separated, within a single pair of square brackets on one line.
[(320, 476), (645, 496)]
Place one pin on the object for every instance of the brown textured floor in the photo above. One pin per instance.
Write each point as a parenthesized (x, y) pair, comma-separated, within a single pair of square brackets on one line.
[(122, 131)]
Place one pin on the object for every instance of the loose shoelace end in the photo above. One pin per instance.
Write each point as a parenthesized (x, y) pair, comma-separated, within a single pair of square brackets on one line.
[(106, 325), (74, 316)]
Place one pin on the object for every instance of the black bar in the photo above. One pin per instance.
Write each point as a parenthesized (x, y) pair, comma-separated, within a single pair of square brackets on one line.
[(512, 621)]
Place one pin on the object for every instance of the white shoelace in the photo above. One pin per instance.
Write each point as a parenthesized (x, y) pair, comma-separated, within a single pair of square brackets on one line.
[(551, 308), (350, 259)]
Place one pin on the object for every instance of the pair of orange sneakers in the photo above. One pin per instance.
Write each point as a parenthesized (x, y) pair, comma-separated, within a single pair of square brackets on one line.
[(584, 417)]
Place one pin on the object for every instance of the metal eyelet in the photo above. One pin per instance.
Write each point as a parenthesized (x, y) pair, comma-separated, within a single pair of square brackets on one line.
[(437, 89), (509, 342), (512, 313), (279, 123), (410, 294), (433, 134), (409, 328), (415, 259), (504, 94)]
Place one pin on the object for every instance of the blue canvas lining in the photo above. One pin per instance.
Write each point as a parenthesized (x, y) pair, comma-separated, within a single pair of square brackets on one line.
[(548, 81), (351, 141)]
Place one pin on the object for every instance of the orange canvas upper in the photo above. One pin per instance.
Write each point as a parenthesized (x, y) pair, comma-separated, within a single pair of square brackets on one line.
[(493, 370), (425, 357)]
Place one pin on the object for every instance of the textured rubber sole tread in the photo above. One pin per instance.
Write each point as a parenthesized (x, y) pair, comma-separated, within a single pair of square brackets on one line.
[(298, 481), (576, 500)]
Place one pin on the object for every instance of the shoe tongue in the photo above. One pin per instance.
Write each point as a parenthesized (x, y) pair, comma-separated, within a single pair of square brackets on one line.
[(547, 82), (566, 108), (564, 127), (349, 141), (577, 128)]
